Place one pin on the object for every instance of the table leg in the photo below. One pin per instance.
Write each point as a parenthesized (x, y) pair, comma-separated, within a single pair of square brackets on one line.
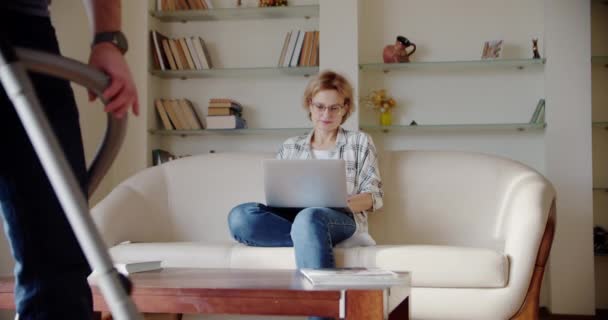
[(402, 312), (364, 305)]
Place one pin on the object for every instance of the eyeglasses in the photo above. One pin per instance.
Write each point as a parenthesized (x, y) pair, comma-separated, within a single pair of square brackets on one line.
[(332, 110)]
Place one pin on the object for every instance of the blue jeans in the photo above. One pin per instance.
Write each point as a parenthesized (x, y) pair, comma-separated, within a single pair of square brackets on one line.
[(50, 268), (311, 231)]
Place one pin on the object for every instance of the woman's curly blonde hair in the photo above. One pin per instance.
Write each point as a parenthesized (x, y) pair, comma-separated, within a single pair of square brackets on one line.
[(330, 80)]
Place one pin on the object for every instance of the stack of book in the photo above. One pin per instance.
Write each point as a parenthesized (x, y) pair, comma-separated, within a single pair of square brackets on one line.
[(300, 49), (172, 5), (178, 114), (187, 53), (224, 113)]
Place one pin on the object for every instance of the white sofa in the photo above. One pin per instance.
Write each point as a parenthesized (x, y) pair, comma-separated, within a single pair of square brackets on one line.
[(468, 226)]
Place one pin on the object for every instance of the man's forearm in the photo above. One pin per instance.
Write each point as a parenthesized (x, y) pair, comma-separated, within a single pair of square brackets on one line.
[(104, 15)]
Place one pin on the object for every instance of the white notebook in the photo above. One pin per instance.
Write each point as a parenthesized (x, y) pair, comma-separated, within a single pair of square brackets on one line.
[(141, 266)]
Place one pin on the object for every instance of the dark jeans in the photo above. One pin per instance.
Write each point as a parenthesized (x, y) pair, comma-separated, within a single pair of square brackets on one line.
[(50, 268)]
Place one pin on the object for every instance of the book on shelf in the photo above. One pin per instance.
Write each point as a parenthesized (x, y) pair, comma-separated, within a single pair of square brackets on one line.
[(539, 113), (190, 114), (306, 49), (169, 53), (156, 64), (206, 52), (176, 54), (183, 54), (314, 56), (232, 105), (139, 266), (158, 53), (222, 100), (162, 113), (293, 38), (178, 114), (196, 5), (297, 51), (222, 111), (197, 63), (300, 49), (226, 122), (351, 277), (284, 49), (172, 5), (186, 53), (173, 115), (202, 52)]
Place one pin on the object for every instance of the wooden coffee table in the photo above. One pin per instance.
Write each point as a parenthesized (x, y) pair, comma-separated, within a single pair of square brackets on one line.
[(244, 291)]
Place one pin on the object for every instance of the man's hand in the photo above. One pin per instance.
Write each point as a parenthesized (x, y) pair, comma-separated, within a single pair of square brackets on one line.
[(122, 92)]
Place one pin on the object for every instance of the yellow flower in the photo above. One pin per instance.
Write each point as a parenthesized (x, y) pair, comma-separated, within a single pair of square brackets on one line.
[(379, 100)]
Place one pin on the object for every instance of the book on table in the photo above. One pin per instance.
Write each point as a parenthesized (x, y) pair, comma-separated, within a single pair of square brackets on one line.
[(137, 266), (351, 277)]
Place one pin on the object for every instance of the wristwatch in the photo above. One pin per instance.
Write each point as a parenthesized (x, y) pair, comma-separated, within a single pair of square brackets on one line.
[(115, 37)]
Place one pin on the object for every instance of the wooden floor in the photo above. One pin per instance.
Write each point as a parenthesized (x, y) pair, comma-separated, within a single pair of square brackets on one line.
[(599, 315)]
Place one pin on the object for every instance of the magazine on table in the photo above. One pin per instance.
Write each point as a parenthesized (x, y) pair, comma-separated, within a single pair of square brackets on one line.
[(351, 277)]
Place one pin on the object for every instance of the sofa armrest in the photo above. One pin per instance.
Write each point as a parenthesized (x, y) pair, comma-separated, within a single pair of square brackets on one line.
[(527, 212), (126, 215)]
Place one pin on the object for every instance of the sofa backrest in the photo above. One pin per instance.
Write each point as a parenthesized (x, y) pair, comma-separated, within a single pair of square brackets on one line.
[(446, 198), (198, 193), (431, 197)]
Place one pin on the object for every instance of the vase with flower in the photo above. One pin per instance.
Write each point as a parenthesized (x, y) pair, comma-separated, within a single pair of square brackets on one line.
[(380, 101)]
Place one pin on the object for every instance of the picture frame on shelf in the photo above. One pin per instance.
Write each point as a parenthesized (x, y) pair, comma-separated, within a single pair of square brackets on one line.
[(491, 49)]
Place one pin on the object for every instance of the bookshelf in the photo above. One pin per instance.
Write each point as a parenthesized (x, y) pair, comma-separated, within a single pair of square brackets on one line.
[(244, 44), (251, 13), (508, 63), (229, 132), (456, 127), (446, 88), (236, 72)]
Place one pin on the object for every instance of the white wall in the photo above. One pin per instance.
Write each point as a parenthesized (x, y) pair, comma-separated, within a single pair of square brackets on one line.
[(568, 153)]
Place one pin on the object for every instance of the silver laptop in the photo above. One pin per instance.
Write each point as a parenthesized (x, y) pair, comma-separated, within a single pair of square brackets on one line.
[(305, 183)]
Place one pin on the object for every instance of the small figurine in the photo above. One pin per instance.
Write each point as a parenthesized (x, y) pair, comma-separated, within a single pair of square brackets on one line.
[(398, 52), (272, 3), (535, 49)]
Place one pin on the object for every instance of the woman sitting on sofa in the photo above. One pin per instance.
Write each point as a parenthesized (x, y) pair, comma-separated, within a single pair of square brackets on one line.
[(313, 232)]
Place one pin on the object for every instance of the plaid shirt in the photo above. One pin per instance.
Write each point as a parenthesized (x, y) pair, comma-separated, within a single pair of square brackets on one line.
[(359, 153)]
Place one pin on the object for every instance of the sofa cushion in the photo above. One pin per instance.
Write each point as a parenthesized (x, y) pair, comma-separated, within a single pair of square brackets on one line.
[(175, 254), (431, 266), (441, 266)]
